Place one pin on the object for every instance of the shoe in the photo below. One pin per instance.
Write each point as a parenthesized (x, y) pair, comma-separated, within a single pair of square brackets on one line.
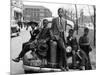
[(81, 68), (74, 67), (62, 68), (16, 59), (67, 69)]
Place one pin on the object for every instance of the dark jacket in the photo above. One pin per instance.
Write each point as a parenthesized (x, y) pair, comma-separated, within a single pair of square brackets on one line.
[(34, 34), (44, 34), (85, 44), (72, 41)]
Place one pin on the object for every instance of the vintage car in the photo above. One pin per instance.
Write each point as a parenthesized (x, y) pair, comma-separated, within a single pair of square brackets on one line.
[(14, 29), (33, 61)]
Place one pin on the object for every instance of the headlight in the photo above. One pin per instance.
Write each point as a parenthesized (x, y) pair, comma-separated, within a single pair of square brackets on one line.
[(69, 49)]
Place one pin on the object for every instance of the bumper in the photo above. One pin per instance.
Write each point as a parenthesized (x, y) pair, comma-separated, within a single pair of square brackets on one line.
[(38, 69), (14, 34)]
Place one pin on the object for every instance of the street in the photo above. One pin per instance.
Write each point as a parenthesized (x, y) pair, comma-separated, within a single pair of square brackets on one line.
[(16, 46)]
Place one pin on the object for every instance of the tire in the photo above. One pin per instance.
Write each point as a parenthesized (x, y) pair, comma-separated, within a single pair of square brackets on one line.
[(27, 72)]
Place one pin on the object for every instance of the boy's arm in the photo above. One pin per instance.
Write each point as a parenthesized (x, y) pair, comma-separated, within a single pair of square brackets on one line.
[(75, 44), (37, 37), (81, 41)]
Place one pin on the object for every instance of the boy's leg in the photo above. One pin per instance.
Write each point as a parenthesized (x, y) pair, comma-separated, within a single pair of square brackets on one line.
[(25, 49), (63, 58), (88, 64), (83, 58), (74, 56)]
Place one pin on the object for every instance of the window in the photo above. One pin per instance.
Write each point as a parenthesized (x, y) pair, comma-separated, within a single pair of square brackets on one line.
[(41, 10), (17, 15), (42, 14), (38, 9)]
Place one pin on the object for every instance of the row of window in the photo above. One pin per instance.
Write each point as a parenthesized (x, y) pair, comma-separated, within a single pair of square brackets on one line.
[(17, 15), (34, 9)]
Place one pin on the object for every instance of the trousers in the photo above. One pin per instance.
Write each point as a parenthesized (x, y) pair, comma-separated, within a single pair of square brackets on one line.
[(61, 51)]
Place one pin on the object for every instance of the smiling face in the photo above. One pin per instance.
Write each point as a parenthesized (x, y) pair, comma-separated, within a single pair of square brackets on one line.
[(45, 22), (71, 32)]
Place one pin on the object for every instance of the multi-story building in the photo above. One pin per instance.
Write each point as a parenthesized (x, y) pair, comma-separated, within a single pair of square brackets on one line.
[(35, 13), (16, 11)]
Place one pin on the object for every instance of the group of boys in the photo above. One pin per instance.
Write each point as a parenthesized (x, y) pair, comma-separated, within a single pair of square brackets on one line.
[(57, 35)]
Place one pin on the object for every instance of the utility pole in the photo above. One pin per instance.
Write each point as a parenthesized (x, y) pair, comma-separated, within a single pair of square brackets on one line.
[(94, 25), (76, 19), (82, 15)]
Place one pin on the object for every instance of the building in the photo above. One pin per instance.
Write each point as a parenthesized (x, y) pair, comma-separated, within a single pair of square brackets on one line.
[(35, 13), (16, 11)]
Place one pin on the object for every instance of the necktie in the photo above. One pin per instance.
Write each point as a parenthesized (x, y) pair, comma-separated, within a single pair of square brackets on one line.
[(61, 25)]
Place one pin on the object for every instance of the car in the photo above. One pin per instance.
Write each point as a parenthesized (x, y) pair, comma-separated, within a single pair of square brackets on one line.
[(14, 29), (89, 25), (31, 64)]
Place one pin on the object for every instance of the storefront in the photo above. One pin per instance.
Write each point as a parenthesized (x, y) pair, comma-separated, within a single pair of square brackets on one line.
[(16, 11)]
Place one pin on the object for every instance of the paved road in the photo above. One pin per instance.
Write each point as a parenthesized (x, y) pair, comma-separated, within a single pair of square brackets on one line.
[(16, 45)]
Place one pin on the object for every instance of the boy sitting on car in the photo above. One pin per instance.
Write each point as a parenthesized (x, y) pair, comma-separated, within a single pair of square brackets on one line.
[(44, 34), (72, 45)]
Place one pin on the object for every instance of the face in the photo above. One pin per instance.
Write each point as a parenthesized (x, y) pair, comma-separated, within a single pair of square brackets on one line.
[(33, 26), (45, 22), (60, 13), (71, 33), (86, 33)]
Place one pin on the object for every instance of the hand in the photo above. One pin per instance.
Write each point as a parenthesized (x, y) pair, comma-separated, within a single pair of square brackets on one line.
[(57, 37), (44, 41), (73, 52), (35, 41), (51, 40)]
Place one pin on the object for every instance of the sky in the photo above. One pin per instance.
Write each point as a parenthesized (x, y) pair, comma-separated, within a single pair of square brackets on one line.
[(53, 7)]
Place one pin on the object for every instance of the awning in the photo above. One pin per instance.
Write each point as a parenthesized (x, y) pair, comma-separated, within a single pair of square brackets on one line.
[(17, 9)]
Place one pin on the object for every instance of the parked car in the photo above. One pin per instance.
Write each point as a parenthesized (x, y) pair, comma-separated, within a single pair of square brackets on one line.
[(89, 25), (14, 29), (32, 63)]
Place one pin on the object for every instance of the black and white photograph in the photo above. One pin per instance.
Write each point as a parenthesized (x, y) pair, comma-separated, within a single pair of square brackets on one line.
[(50, 37)]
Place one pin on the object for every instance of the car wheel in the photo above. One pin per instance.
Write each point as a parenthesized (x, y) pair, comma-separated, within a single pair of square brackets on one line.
[(27, 72), (17, 34)]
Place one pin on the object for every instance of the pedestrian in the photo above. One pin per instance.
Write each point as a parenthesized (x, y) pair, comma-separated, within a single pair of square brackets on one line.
[(84, 44)]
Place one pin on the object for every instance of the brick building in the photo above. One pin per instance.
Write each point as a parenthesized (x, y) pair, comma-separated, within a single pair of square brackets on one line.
[(35, 13)]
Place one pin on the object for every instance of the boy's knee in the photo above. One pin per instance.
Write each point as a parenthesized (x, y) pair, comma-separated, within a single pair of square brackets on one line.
[(54, 43)]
